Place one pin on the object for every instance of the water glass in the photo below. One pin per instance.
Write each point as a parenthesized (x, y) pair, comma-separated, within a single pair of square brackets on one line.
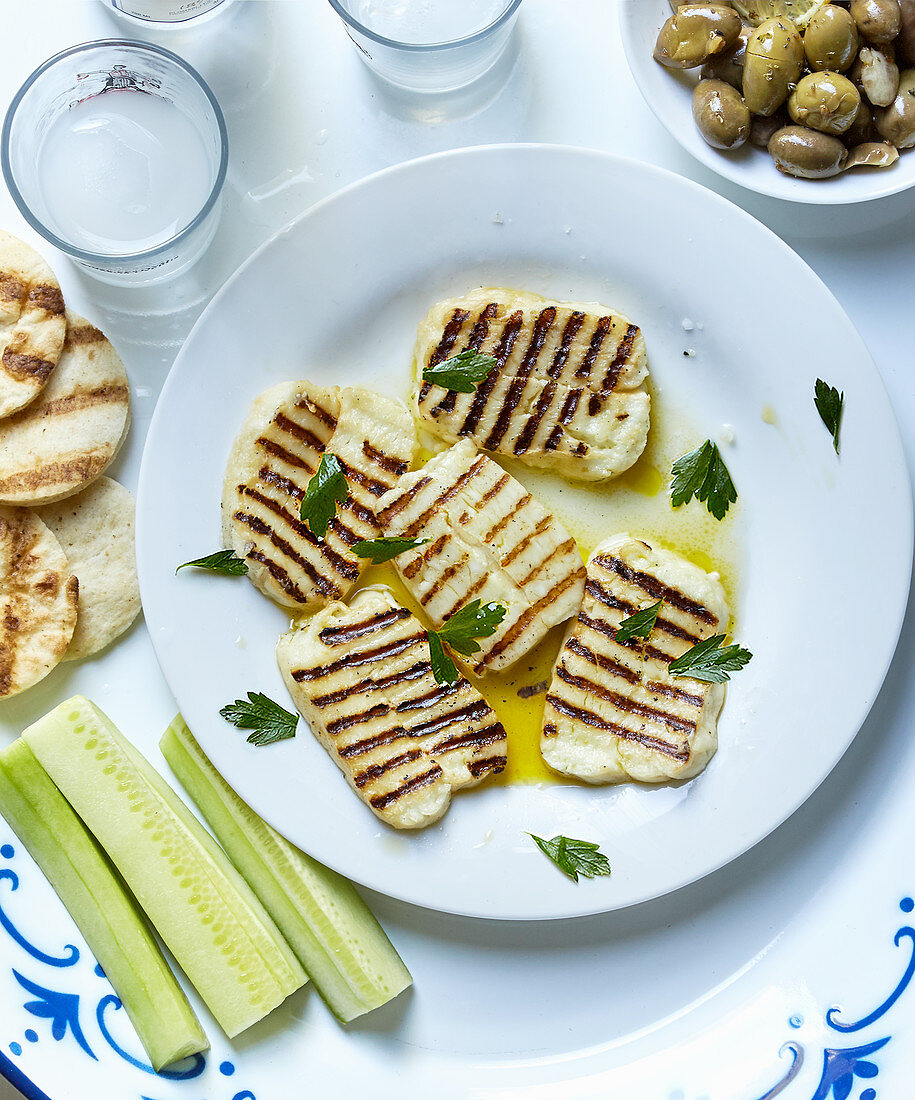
[(429, 45), (165, 11), (116, 153)]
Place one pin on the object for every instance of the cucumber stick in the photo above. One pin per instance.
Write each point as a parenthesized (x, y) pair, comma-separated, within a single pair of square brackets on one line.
[(108, 917), (219, 933), (332, 931)]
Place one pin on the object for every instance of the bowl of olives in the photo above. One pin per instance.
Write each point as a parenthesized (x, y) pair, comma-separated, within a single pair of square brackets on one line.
[(810, 100)]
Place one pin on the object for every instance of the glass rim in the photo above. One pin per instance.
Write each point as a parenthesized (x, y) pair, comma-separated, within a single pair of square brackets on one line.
[(511, 7), (49, 235)]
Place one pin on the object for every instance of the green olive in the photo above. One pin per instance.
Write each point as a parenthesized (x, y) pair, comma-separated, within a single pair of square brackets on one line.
[(775, 59), (798, 151), (878, 20), (824, 101), (862, 127), (721, 115), (695, 33), (728, 65), (896, 123), (831, 39)]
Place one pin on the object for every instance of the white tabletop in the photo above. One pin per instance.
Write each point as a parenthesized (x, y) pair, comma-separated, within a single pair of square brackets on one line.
[(802, 922)]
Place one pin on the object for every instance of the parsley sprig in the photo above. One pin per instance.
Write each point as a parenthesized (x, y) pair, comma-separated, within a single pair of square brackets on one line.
[(574, 857), (708, 660), (384, 549), (703, 474), (829, 404), (460, 631), (223, 561), (463, 372), (269, 721), (639, 624), (325, 491)]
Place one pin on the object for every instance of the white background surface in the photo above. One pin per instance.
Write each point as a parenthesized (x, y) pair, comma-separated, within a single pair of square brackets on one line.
[(677, 999)]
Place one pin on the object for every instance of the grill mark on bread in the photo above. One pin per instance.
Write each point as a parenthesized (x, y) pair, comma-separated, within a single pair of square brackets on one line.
[(624, 703), (74, 402), (447, 342), (399, 503), (48, 298), (657, 588), (623, 351), (597, 591), (378, 770), (542, 326), (635, 644), (297, 431), (22, 365), (69, 471), (501, 353), (360, 657), (479, 334), (615, 668), (357, 719), (282, 578), (517, 628), (12, 288), (345, 568), (392, 465), (589, 718), (340, 635), (79, 335), (603, 326), (569, 332), (382, 801)]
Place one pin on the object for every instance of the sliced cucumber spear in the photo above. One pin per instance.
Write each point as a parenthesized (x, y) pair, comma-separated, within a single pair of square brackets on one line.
[(332, 931), (108, 917), (219, 933)]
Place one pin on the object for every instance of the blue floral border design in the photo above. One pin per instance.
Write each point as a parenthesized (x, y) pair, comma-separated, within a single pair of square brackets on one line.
[(63, 1009), (844, 1067)]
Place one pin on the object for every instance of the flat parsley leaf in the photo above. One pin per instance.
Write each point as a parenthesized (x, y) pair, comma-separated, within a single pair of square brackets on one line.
[(269, 720), (463, 372), (384, 549), (703, 474), (829, 403), (574, 857), (325, 491), (708, 660), (460, 631), (638, 625), (223, 561)]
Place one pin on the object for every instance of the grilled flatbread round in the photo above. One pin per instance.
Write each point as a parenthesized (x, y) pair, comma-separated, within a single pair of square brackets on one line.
[(95, 530), (66, 439), (32, 324), (38, 598)]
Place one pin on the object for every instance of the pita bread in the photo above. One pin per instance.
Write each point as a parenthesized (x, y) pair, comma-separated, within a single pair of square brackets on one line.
[(38, 598), (32, 324), (95, 531), (64, 440)]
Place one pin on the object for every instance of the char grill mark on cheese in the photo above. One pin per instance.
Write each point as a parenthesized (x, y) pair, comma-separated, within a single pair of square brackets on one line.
[(613, 712), (549, 355), (276, 455), (489, 540), (362, 678)]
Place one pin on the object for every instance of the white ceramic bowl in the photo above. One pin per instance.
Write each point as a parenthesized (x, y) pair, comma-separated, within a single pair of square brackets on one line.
[(669, 94)]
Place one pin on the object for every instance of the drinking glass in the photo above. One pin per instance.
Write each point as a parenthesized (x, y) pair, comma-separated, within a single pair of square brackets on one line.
[(429, 45), (116, 152), (165, 11)]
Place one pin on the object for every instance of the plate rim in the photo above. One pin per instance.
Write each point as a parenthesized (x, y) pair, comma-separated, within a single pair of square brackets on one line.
[(673, 178)]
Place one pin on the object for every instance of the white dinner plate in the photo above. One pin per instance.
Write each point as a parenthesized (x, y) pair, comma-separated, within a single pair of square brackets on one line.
[(669, 95), (821, 545)]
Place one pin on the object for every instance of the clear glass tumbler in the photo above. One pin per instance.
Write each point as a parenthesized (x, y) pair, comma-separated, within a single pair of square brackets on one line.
[(116, 152), (166, 11), (429, 45)]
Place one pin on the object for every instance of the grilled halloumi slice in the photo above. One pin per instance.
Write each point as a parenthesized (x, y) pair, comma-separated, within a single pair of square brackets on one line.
[(274, 457), (613, 712), (568, 393), (489, 539), (362, 679)]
